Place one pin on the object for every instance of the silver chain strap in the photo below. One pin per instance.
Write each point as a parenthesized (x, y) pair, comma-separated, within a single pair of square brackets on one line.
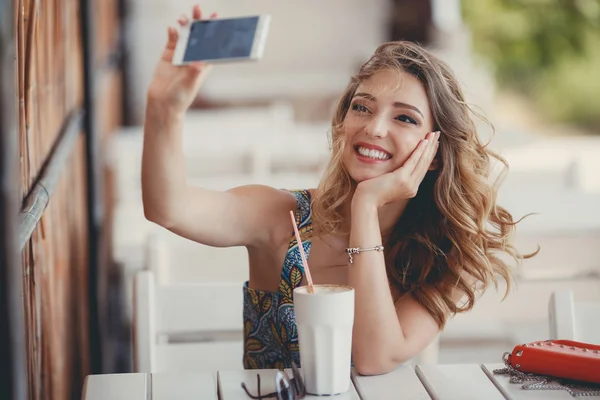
[(542, 382)]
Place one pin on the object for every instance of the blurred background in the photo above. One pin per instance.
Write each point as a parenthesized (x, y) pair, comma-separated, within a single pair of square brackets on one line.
[(531, 67)]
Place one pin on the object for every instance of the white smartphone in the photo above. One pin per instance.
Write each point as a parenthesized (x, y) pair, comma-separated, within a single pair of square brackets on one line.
[(222, 40)]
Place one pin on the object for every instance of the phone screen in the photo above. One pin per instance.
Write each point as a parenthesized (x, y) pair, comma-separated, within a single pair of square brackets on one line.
[(221, 39)]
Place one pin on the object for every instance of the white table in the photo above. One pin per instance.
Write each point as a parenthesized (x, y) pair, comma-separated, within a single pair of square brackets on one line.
[(514, 391), (230, 388), (424, 382), (142, 386)]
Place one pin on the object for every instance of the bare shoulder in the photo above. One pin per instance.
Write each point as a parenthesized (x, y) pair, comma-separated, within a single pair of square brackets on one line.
[(271, 207), (458, 295)]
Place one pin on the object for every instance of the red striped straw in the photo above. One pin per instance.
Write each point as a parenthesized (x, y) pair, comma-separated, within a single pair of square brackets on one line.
[(311, 289)]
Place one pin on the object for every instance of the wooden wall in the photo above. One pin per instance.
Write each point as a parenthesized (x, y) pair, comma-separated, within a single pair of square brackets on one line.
[(55, 260)]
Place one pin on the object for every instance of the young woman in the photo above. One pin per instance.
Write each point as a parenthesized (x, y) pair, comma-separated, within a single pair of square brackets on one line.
[(407, 172)]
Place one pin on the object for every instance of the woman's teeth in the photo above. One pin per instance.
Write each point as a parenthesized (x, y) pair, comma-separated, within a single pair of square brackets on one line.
[(375, 154)]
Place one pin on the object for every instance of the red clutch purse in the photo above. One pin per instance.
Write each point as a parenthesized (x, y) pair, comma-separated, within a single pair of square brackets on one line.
[(555, 365), (565, 359)]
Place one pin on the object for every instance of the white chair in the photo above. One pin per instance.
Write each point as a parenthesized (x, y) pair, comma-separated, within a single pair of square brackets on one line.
[(186, 327), (156, 257), (175, 259), (574, 320)]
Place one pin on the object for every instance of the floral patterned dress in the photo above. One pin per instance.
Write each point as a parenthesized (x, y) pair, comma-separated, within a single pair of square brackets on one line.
[(270, 332)]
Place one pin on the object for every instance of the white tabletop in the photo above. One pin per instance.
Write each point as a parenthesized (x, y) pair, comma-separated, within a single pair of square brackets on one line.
[(401, 383), (116, 386), (514, 392), (184, 386), (230, 385), (160, 386), (425, 382), (457, 382)]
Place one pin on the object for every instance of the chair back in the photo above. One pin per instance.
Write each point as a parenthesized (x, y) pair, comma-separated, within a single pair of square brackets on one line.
[(180, 327), (574, 320)]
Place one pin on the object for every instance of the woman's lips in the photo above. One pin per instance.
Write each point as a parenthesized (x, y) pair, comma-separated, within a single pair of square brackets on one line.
[(371, 153)]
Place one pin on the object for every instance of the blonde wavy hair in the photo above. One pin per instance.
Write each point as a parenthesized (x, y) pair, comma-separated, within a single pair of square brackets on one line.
[(452, 233)]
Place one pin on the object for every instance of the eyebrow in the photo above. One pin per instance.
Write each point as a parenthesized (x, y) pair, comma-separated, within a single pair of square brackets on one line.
[(397, 104)]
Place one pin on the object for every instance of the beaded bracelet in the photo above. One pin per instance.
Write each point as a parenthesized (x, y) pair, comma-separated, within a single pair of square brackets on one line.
[(358, 250)]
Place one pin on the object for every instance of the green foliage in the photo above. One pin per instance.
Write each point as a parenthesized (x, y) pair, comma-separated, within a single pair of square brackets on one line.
[(548, 49)]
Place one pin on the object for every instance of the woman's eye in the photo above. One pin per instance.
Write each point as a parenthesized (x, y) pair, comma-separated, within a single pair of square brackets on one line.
[(359, 108), (407, 119)]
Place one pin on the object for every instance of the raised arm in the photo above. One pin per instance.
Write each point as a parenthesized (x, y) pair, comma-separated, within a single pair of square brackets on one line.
[(244, 216)]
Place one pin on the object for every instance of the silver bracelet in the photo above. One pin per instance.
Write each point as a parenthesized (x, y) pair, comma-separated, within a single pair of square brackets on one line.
[(358, 250)]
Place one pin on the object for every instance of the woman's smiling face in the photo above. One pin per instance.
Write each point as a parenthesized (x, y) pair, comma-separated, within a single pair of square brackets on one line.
[(388, 116)]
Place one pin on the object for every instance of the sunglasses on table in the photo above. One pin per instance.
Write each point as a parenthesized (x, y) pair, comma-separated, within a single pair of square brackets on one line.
[(286, 388)]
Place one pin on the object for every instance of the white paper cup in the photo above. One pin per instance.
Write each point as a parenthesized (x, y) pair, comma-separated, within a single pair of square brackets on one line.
[(324, 321)]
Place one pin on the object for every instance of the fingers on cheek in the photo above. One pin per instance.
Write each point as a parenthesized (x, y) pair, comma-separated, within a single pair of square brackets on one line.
[(405, 178), (432, 146)]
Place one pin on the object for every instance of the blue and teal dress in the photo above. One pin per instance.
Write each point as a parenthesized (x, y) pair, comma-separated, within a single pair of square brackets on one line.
[(270, 332)]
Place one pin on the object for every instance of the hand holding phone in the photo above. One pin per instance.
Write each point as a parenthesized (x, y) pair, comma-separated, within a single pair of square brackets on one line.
[(173, 88), (222, 40)]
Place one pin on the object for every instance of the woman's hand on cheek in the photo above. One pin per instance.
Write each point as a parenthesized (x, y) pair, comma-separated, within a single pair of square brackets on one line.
[(404, 182)]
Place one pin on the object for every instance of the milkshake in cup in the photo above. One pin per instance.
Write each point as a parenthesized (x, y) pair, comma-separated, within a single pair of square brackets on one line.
[(324, 321)]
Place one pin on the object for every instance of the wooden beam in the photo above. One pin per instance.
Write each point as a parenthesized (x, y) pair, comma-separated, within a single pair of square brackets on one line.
[(95, 187), (38, 198), (13, 378)]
